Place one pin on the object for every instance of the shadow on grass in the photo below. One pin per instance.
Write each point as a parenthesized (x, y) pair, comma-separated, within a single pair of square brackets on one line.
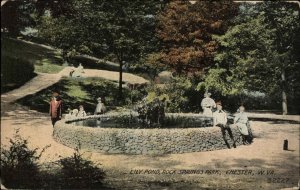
[(75, 92), (15, 72), (276, 121)]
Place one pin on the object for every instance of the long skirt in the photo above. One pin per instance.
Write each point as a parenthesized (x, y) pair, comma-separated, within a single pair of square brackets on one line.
[(243, 128), (207, 112)]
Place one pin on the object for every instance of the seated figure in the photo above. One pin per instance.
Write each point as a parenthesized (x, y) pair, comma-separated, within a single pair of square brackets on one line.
[(242, 122), (74, 113), (68, 116), (220, 120), (81, 112), (78, 71)]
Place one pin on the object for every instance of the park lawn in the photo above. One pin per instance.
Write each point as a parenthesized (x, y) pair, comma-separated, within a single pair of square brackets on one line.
[(82, 91), (45, 59)]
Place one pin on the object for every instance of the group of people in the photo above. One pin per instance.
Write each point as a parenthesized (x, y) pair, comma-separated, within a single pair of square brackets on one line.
[(74, 113), (76, 72), (56, 109), (220, 119), (208, 105)]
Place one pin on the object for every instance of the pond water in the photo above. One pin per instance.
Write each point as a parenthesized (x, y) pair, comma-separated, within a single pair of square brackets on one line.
[(134, 122), (169, 123)]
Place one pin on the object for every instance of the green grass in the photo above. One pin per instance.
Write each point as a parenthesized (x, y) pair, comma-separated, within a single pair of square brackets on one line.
[(45, 66), (75, 92), (45, 60)]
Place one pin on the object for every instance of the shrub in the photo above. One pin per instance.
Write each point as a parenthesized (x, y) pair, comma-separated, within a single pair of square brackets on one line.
[(179, 94), (152, 113), (79, 173), (19, 168)]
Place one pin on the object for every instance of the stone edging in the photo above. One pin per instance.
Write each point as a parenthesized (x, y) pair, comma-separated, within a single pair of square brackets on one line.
[(141, 141)]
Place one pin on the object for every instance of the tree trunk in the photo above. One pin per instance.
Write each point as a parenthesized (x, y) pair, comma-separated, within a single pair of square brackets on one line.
[(120, 79), (284, 96)]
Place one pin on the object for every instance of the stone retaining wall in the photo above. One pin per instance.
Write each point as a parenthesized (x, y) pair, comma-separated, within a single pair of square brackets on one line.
[(141, 141)]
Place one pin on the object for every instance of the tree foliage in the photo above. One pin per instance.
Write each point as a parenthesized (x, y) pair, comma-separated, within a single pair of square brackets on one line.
[(186, 32), (256, 53), (16, 15), (122, 31)]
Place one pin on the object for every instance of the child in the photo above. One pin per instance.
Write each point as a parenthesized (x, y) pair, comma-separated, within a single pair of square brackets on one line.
[(81, 112), (74, 113), (68, 116)]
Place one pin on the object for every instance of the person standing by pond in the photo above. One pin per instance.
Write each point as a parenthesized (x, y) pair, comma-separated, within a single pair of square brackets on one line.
[(100, 108), (55, 108), (220, 120), (207, 105)]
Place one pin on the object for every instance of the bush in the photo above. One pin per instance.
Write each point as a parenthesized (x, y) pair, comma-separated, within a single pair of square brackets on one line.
[(15, 72), (152, 113), (180, 95), (19, 168), (79, 173)]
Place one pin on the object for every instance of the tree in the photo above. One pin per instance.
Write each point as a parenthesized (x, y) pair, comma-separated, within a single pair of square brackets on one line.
[(258, 54), (284, 18), (16, 15), (240, 60), (119, 30), (186, 32)]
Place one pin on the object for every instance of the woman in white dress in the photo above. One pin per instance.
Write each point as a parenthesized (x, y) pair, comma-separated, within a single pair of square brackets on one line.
[(207, 105)]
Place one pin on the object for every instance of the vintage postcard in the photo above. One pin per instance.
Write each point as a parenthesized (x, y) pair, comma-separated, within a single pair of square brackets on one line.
[(131, 94)]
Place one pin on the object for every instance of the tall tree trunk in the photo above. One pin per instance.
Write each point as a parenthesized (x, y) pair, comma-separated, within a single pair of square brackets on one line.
[(120, 79), (284, 96)]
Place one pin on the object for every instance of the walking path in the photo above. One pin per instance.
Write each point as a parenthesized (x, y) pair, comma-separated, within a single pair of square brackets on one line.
[(264, 154), (44, 80)]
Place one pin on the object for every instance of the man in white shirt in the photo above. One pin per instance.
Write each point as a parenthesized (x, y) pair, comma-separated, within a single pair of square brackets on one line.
[(220, 120)]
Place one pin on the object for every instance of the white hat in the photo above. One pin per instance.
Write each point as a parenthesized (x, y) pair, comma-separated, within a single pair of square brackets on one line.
[(207, 93)]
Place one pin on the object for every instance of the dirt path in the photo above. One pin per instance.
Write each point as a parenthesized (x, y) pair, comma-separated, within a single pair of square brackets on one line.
[(264, 154), (38, 83)]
